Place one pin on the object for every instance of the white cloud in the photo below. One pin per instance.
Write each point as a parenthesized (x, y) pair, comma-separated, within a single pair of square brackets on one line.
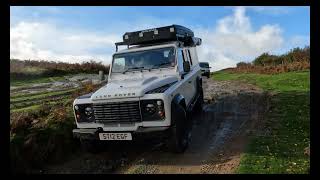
[(49, 41), (233, 40), (34, 40)]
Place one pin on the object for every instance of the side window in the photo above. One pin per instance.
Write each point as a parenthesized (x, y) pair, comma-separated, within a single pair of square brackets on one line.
[(180, 60), (184, 58), (189, 54)]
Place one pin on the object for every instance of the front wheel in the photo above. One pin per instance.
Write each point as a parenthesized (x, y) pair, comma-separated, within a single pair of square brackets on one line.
[(180, 133)]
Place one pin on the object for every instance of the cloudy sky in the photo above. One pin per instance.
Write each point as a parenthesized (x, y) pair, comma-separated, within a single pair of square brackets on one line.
[(229, 34)]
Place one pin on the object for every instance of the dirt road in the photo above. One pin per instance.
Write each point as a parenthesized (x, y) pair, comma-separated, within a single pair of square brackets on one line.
[(220, 132)]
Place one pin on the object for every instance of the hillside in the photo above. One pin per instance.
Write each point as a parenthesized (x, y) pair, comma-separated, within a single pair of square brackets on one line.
[(26, 69)]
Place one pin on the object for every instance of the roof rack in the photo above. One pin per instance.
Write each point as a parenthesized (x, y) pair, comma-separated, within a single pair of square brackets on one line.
[(158, 35)]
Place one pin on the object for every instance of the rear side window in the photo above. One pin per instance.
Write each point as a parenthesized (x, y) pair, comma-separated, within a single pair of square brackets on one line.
[(184, 58), (189, 54)]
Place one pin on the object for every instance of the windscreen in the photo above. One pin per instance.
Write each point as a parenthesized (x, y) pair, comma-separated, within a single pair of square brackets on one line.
[(148, 59)]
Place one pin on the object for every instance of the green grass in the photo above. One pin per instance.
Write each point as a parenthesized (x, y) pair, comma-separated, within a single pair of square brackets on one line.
[(282, 151), (32, 102), (34, 70), (34, 80), (40, 95), (40, 79), (291, 81), (28, 102), (34, 107), (29, 108)]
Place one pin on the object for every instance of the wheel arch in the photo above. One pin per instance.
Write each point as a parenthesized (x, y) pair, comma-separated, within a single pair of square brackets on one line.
[(179, 100)]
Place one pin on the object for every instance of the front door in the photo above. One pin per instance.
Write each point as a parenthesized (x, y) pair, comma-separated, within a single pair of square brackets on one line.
[(187, 87)]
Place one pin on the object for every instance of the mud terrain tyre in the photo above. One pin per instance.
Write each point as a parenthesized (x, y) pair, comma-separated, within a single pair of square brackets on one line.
[(180, 132), (91, 146), (199, 103)]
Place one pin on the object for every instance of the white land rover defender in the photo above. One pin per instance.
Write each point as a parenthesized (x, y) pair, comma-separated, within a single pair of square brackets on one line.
[(153, 87)]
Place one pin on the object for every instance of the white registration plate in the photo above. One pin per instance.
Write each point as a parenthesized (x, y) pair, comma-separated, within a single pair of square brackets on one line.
[(115, 136)]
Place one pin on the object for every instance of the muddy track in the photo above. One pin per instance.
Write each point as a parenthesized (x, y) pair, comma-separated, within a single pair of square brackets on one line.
[(220, 132)]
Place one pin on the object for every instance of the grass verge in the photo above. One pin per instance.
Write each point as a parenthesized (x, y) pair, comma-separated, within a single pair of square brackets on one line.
[(42, 134), (283, 149)]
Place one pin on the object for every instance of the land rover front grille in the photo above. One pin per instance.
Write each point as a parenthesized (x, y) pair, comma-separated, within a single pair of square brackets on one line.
[(127, 111)]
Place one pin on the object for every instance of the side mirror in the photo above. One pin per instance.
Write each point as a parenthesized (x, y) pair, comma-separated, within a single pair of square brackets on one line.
[(197, 41), (186, 66)]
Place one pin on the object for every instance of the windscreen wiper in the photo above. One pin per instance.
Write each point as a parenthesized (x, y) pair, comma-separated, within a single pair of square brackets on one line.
[(132, 68), (160, 65)]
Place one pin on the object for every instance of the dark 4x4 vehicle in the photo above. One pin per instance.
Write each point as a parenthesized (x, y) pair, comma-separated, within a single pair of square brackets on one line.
[(205, 68)]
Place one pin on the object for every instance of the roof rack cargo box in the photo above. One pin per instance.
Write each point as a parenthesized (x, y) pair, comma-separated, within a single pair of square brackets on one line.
[(155, 35)]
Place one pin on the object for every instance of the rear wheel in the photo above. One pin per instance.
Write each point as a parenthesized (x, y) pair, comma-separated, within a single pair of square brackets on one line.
[(199, 103), (208, 74), (180, 133)]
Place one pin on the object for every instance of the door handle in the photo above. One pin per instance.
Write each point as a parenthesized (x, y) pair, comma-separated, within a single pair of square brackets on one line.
[(189, 81)]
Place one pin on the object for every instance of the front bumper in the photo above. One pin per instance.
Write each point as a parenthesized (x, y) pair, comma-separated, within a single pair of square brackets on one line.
[(205, 73), (93, 134)]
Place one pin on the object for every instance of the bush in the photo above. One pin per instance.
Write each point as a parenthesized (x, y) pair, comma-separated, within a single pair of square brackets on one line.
[(43, 136), (294, 55), (297, 59), (19, 122), (243, 64), (264, 60), (46, 140)]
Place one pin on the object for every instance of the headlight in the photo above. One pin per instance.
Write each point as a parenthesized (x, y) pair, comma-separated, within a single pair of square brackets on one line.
[(88, 111), (152, 110), (84, 112)]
